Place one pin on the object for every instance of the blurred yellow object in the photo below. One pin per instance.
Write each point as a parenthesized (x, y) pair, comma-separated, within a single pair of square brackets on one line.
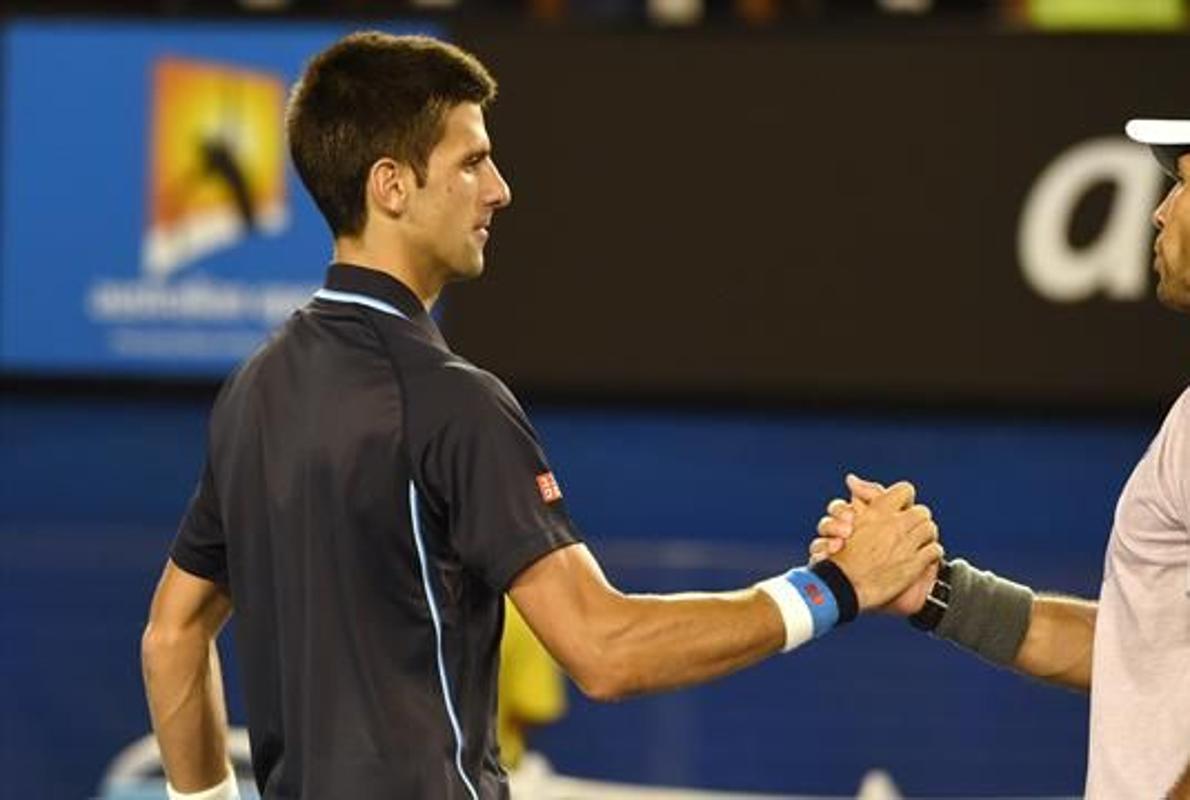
[(532, 690), (1106, 14)]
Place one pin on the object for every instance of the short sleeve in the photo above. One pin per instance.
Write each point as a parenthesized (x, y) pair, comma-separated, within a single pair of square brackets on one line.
[(200, 547), (502, 502)]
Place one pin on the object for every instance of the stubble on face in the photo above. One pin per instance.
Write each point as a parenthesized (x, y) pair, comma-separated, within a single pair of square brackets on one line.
[(1172, 247), (457, 202)]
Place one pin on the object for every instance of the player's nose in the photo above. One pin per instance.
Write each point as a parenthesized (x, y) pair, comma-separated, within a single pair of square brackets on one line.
[(499, 192), (1160, 214)]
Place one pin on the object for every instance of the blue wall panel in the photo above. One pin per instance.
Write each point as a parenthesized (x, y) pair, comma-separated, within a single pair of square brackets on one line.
[(117, 227), (90, 493)]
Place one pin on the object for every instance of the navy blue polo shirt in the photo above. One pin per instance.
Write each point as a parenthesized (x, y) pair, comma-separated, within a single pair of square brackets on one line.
[(367, 498)]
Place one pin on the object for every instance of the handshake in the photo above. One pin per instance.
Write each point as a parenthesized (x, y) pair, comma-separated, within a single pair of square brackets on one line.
[(879, 550), (884, 542)]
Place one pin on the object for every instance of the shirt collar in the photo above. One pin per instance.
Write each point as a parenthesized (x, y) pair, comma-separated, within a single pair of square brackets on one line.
[(375, 284)]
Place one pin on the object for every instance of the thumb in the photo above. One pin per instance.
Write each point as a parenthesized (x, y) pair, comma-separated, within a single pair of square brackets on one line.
[(898, 497), (863, 491)]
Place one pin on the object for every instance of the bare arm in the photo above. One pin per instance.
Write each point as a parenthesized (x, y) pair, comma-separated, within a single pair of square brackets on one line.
[(615, 645), (1058, 645), (183, 680)]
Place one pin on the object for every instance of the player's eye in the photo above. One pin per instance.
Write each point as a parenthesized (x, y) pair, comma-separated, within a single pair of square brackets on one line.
[(475, 160)]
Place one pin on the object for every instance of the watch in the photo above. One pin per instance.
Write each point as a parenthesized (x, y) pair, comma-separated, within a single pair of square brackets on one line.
[(937, 601)]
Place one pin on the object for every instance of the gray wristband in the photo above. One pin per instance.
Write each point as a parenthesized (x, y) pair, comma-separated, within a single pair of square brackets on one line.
[(988, 615)]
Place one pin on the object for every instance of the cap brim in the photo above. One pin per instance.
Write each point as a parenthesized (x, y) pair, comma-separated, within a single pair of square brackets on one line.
[(1159, 131)]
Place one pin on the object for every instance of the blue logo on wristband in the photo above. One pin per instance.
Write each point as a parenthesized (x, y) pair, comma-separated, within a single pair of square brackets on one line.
[(817, 596)]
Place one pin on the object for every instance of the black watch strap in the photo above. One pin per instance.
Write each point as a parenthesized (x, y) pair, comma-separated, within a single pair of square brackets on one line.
[(937, 601)]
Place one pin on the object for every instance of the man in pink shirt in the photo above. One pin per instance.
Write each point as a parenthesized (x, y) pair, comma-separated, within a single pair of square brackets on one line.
[(1131, 649)]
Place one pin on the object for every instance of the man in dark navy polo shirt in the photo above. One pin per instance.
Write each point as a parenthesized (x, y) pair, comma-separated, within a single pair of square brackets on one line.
[(368, 496)]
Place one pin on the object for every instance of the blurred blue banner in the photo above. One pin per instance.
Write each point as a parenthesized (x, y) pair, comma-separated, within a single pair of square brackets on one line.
[(668, 502), (151, 222)]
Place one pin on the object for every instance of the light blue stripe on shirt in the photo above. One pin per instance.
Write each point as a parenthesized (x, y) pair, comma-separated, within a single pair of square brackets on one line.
[(415, 514), (359, 300)]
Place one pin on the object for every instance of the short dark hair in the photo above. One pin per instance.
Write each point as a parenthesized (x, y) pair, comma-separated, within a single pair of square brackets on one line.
[(368, 96)]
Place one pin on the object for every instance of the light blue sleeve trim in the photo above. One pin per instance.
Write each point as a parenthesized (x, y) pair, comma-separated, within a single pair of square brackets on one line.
[(359, 300), (415, 514), (817, 596)]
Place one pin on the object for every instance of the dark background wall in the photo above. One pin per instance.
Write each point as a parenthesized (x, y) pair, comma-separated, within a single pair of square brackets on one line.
[(741, 216)]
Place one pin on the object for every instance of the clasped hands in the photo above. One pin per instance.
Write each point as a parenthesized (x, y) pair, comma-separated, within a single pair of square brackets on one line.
[(885, 542)]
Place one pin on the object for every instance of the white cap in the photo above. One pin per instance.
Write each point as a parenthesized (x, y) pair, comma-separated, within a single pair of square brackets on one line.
[(1159, 131)]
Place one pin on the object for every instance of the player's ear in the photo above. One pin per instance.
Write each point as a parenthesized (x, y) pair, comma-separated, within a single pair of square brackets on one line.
[(389, 185)]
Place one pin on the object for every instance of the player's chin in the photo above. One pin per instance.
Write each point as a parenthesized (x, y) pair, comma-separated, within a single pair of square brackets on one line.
[(1174, 295), (468, 268)]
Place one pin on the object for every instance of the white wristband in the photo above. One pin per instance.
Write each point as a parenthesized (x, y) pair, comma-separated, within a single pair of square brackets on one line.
[(227, 789), (799, 624)]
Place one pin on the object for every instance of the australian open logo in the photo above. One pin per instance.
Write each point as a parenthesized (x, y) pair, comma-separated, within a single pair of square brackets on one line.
[(217, 166), (215, 183)]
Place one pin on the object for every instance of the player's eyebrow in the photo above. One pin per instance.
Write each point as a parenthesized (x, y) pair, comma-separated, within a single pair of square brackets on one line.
[(477, 154)]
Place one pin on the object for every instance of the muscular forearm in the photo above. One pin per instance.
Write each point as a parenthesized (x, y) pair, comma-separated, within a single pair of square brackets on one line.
[(1058, 644), (615, 644), (653, 643), (184, 685)]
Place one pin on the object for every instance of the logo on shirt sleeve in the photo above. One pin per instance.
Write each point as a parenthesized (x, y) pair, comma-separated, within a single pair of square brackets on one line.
[(547, 484)]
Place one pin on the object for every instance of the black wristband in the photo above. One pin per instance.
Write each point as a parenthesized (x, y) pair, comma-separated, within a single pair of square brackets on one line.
[(840, 585), (937, 602)]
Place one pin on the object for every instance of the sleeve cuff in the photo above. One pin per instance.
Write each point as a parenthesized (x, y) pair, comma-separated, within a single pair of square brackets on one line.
[(507, 569)]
